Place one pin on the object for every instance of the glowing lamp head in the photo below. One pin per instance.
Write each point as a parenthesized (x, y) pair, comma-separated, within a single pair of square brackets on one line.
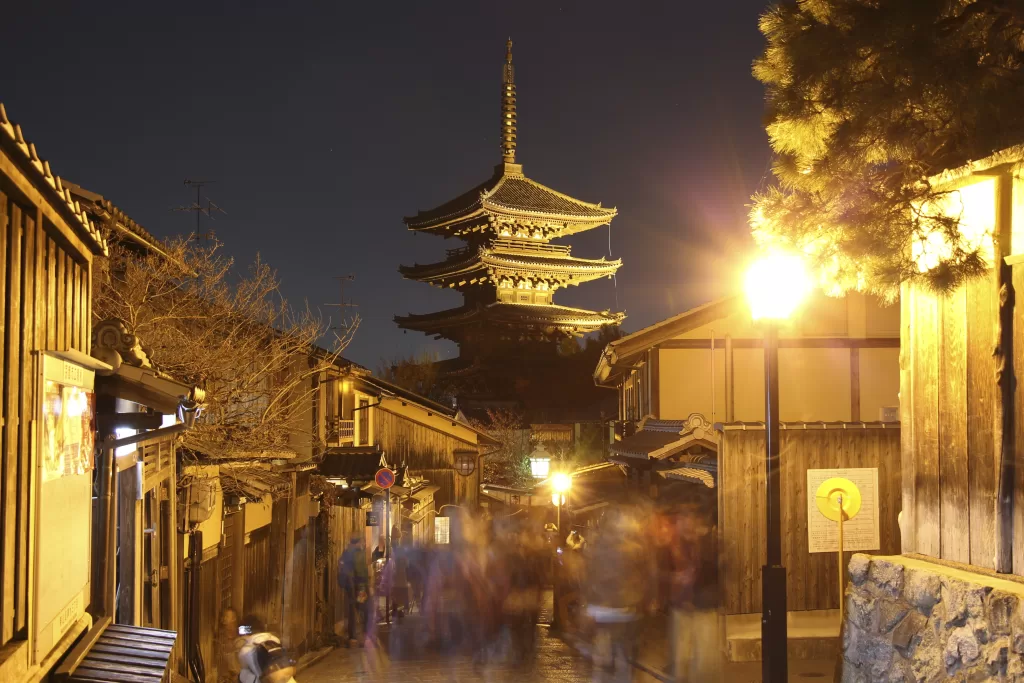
[(776, 284), (561, 482)]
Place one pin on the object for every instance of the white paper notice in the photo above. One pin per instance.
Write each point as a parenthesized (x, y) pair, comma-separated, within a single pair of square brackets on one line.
[(859, 533)]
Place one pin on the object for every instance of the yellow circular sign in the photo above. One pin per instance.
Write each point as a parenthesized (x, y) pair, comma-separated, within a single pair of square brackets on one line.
[(828, 496)]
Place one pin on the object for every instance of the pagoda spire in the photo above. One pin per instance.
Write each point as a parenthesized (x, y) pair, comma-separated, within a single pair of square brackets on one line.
[(508, 108)]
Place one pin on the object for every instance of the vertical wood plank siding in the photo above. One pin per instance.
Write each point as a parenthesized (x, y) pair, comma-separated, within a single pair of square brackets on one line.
[(427, 452), (209, 602), (343, 523), (258, 569), (812, 580), (953, 499), (926, 420), (950, 392), (1018, 359), (29, 246)]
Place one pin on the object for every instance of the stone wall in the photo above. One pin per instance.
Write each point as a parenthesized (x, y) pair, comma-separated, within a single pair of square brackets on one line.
[(908, 620)]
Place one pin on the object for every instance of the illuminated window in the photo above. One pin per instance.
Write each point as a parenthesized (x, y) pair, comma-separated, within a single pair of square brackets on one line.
[(442, 531)]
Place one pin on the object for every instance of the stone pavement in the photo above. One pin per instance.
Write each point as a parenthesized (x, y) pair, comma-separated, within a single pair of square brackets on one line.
[(554, 661)]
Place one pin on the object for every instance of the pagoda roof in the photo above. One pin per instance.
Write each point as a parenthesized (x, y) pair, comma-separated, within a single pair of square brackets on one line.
[(539, 259), (511, 315), (509, 194)]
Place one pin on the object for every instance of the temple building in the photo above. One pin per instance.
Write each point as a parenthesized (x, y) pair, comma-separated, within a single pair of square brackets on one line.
[(508, 271)]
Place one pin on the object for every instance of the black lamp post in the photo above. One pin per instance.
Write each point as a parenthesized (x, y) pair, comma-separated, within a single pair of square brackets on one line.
[(775, 286), (774, 630)]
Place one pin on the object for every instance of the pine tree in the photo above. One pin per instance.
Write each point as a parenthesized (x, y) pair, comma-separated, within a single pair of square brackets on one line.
[(867, 101)]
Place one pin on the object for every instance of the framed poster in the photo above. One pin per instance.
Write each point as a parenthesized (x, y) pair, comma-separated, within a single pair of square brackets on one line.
[(859, 533), (65, 457)]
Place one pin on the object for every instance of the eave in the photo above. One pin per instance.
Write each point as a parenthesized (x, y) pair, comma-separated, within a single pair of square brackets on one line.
[(510, 197), (484, 265), (512, 315)]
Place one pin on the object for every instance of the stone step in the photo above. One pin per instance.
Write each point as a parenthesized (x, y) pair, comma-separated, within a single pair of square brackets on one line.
[(812, 635)]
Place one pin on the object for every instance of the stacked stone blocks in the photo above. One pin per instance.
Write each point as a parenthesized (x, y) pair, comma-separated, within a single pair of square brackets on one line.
[(911, 621)]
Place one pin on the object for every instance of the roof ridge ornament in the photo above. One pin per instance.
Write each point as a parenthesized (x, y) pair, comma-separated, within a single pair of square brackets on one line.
[(508, 107)]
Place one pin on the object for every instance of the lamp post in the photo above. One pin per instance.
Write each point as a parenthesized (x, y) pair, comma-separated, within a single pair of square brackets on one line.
[(776, 284), (560, 485)]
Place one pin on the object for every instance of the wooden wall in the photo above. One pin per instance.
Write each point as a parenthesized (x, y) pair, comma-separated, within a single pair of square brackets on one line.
[(950, 400), (45, 287), (429, 453), (343, 523), (812, 580)]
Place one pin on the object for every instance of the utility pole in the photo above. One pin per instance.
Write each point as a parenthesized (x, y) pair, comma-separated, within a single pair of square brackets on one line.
[(198, 208)]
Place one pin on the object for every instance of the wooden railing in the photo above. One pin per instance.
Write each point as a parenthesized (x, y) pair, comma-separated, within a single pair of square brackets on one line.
[(341, 430), (461, 251), (537, 248)]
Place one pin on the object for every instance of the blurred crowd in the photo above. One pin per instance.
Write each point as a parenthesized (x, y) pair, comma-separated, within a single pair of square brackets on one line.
[(612, 579)]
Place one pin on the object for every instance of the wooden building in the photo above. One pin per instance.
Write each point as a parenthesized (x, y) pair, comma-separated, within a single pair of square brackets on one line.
[(962, 518), (838, 361), (47, 246), (691, 411), (964, 498)]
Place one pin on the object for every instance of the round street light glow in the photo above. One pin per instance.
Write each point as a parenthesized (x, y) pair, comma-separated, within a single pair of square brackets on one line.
[(561, 482), (776, 284)]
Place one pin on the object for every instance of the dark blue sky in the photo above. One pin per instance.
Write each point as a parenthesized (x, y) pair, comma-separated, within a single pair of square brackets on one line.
[(326, 123)]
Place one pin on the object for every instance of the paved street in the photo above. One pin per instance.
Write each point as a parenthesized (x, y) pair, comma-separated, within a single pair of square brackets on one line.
[(555, 661)]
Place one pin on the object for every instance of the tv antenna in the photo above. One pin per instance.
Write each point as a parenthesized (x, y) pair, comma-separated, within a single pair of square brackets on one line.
[(342, 279), (198, 208)]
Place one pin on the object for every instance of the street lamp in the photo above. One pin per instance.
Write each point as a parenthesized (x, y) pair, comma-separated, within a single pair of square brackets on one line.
[(775, 286), (560, 485)]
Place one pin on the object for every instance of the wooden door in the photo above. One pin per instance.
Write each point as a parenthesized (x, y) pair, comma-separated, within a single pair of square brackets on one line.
[(157, 557)]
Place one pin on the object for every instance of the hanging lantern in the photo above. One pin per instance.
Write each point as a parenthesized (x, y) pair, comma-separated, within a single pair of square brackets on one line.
[(540, 462), (465, 463)]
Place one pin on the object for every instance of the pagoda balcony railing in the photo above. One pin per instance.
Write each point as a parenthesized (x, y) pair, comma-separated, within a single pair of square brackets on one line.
[(527, 247), (340, 431), (461, 251)]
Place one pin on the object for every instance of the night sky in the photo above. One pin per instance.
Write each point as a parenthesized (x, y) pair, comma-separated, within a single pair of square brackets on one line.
[(324, 124)]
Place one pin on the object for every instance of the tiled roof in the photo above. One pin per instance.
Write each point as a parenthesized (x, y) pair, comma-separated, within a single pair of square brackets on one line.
[(644, 442), (509, 191), (100, 207), (691, 474), (511, 314), (60, 195), (483, 257), (519, 193)]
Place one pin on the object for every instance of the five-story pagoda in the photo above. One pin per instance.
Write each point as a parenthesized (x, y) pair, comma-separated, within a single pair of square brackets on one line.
[(508, 271)]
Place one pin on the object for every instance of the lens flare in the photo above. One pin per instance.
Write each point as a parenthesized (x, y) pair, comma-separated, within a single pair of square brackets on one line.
[(776, 284)]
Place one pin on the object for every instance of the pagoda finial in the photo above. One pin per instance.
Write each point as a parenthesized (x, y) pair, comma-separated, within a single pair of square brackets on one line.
[(508, 108)]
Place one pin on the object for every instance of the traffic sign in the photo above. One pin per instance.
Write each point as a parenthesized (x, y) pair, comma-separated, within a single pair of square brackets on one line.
[(385, 478)]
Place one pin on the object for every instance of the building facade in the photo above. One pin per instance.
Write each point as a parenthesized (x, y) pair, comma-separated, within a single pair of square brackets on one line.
[(962, 518), (838, 362), (47, 247)]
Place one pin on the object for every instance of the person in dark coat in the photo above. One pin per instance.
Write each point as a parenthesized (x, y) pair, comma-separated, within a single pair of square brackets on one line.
[(354, 580)]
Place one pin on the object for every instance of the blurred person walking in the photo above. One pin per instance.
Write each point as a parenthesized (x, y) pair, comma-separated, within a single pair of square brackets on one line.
[(354, 579), (618, 587), (694, 594)]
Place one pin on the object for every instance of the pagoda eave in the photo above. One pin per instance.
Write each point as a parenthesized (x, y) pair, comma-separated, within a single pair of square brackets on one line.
[(510, 197), (484, 266), (512, 315)]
